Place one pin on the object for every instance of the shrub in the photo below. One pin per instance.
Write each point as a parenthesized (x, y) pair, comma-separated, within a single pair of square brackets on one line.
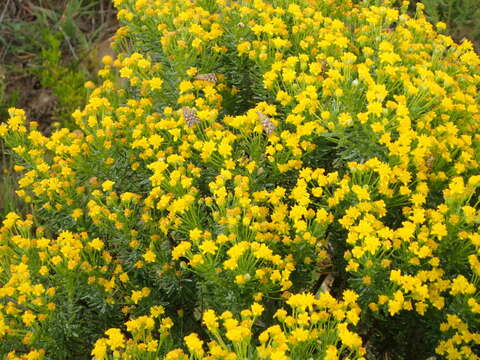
[(253, 153)]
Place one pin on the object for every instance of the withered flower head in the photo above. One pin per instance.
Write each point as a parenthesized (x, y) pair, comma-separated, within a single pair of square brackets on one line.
[(267, 124), (210, 77), (190, 116)]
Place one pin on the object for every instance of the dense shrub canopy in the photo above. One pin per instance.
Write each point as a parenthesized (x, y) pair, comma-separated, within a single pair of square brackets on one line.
[(254, 180)]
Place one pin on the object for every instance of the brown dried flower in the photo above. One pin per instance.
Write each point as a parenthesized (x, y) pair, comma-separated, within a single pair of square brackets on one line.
[(190, 116), (267, 124), (210, 77)]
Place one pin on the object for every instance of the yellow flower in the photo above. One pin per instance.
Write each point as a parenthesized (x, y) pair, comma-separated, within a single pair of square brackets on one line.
[(115, 338), (192, 71), (100, 350), (460, 285), (238, 333), (176, 354), (257, 309), (440, 230), (242, 279), (155, 83), (210, 320), (349, 297), (208, 247), (243, 47), (195, 234), (149, 256), (96, 244), (194, 344), (136, 296), (288, 75), (185, 86), (181, 249), (3, 129), (126, 72), (349, 338), (375, 108), (396, 304), (107, 185), (331, 353), (301, 301), (28, 318)]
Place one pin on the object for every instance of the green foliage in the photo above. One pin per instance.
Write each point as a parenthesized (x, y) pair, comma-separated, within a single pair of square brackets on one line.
[(48, 42), (64, 23), (66, 82), (8, 179)]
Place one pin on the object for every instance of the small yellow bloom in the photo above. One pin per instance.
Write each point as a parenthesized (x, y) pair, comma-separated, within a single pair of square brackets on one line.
[(96, 244), (107, 185), (149, 256)]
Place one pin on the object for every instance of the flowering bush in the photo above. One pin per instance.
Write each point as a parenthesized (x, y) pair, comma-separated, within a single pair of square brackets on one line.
[(284, 180)]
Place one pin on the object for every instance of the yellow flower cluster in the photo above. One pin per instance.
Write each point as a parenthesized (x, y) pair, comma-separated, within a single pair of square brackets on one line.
[(143, 344), (235, 158), (325, 322)]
